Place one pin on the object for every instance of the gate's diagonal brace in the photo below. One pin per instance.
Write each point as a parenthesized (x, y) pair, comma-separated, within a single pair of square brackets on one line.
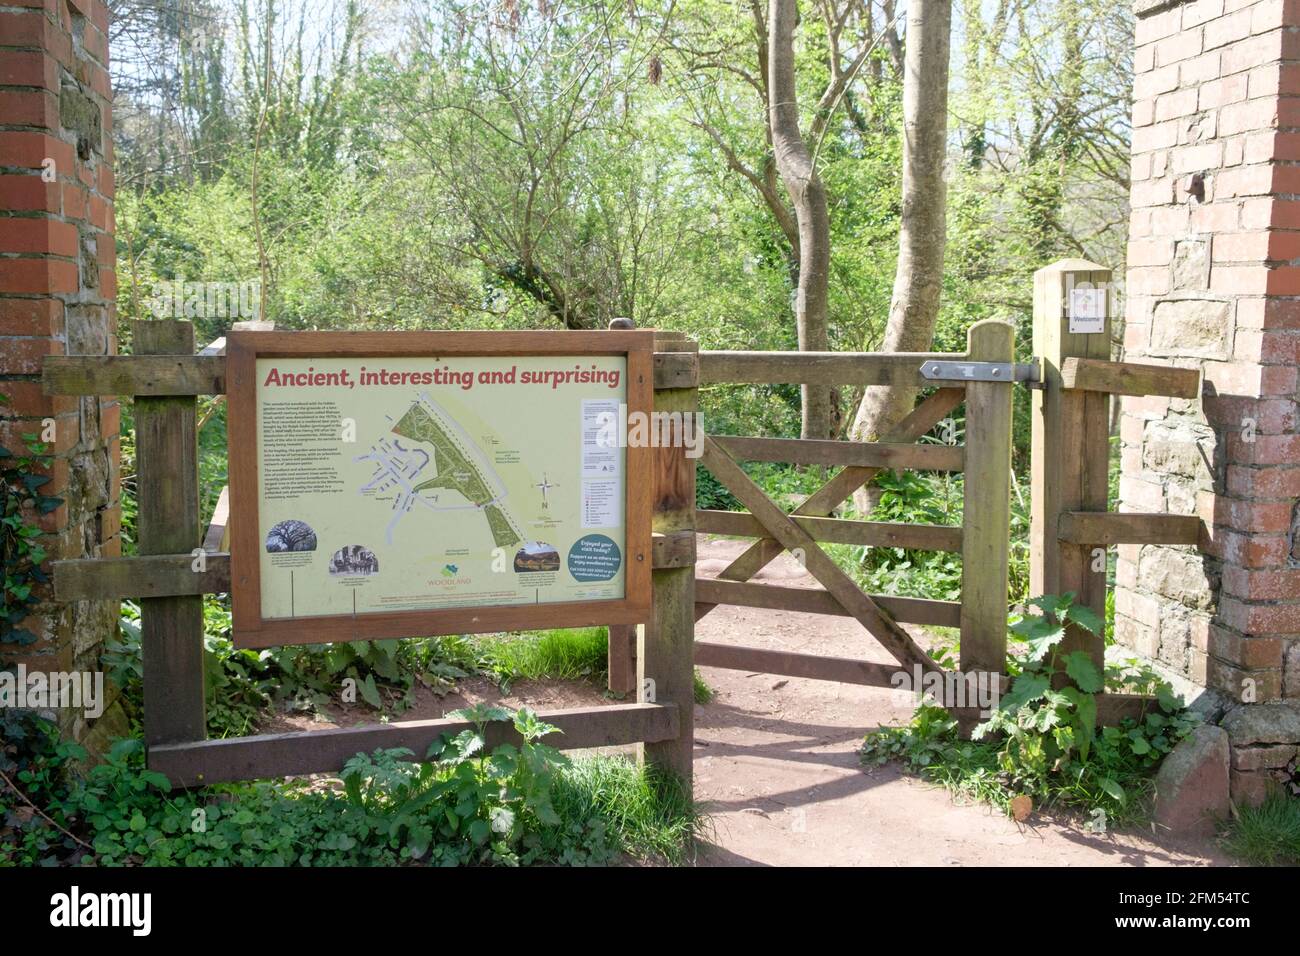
[(792, 537), (846, 481)]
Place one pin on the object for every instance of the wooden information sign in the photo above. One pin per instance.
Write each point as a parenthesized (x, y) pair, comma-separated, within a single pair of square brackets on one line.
[(400, 484)]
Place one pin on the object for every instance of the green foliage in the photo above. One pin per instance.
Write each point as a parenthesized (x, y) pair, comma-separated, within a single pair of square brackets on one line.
[(1267, 835), (648, 814), (34, 759), (711, 494), (465, 805), (21, 551), (701, 691), (242, 684), (490, 803), (925, 498), (1043, 741), (580, 653), (911, 498)]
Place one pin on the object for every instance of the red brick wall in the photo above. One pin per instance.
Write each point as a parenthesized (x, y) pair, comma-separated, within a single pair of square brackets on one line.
[(1214, 283), (57, 286)]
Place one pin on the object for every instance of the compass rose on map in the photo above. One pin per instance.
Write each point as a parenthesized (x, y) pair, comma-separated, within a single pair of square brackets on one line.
[(545, 485)]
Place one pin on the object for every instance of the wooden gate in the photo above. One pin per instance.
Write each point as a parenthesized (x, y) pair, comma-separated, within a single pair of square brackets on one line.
[(1072, 377), (982, 378)]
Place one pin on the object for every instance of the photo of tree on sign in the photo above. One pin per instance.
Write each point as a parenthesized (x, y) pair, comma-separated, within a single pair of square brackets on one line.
[(651, 434)]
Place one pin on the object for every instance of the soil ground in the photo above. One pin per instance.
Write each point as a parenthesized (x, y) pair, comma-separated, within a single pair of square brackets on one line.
[(776, 765)]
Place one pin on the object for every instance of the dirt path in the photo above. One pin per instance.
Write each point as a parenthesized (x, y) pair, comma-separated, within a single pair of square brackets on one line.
[(776, 764)]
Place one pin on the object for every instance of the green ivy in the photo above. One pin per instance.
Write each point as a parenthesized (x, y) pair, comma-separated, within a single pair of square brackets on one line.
[(21, 551)]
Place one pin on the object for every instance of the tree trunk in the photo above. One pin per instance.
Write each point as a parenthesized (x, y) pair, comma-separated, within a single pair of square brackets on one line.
[(808, 195), (917, 283)]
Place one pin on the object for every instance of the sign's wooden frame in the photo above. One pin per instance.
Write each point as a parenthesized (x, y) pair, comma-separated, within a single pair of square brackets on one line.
[(243, 350)]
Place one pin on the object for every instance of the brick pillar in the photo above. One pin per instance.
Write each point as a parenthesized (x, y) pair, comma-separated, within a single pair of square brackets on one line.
[(57, 290), (1213, 283)]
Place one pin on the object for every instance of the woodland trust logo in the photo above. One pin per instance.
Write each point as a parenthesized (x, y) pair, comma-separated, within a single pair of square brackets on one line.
[(76, 909)]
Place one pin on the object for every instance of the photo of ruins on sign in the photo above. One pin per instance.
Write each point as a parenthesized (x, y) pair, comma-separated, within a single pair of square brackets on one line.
[(463, 487)]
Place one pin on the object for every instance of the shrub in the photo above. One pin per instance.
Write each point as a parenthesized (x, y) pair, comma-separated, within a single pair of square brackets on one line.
[(465, 805), (1043, 741)]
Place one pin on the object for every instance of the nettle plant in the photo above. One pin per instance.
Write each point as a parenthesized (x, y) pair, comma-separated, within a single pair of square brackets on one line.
[(21, 552), (1050, 742), (1043, 740), (469, 804)]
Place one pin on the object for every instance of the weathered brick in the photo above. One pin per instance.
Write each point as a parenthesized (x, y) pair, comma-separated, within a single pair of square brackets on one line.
[(1268, 15), (1191, 159), (1139, 495), (1261, 584), (37, 108), (1158, 26), (1150, 85), (31, 317), (1220, 217), (24, 356), (1248, 116), (1240, 684), (1257, 619), (1271, 482), (1200, 11), (1180, 46), (1227, 29), (1268, 757), (39, 235), (35, 276), (1250, 53), (1234, 378), (30, 68), (1250, 550)]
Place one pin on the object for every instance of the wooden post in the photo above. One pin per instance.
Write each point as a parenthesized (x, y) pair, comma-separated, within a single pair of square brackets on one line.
[(665, 646), (986, 508), (167, 494), (620, 656), (1071, 445)]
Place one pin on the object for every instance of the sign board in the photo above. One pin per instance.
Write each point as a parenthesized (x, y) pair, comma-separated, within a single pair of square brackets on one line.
[(399, 484), (1087, 310)]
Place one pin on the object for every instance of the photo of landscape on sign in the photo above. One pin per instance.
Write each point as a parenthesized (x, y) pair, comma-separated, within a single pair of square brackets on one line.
[(435, 483)]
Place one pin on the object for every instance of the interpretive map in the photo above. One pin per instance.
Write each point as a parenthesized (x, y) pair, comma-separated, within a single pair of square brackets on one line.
[(392, 484)]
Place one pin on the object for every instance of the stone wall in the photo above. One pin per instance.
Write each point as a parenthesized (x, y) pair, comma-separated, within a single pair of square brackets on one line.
[(57, 292), (1213, 284)]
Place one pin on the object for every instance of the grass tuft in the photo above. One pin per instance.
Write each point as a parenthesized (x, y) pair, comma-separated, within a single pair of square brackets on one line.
[(1267, 835), (648, 812), (578, 653), (703, 693)]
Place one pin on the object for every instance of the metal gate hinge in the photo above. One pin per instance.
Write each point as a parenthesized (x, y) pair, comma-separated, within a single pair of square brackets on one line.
[(954, 371)]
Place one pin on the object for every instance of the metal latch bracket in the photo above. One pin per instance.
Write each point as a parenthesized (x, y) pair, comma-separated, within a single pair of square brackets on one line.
[(945, 370)]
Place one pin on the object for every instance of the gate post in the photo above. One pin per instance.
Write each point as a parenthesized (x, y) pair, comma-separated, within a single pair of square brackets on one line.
[(167, 522), (665, 664), (986, 506), (1071, 443)]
